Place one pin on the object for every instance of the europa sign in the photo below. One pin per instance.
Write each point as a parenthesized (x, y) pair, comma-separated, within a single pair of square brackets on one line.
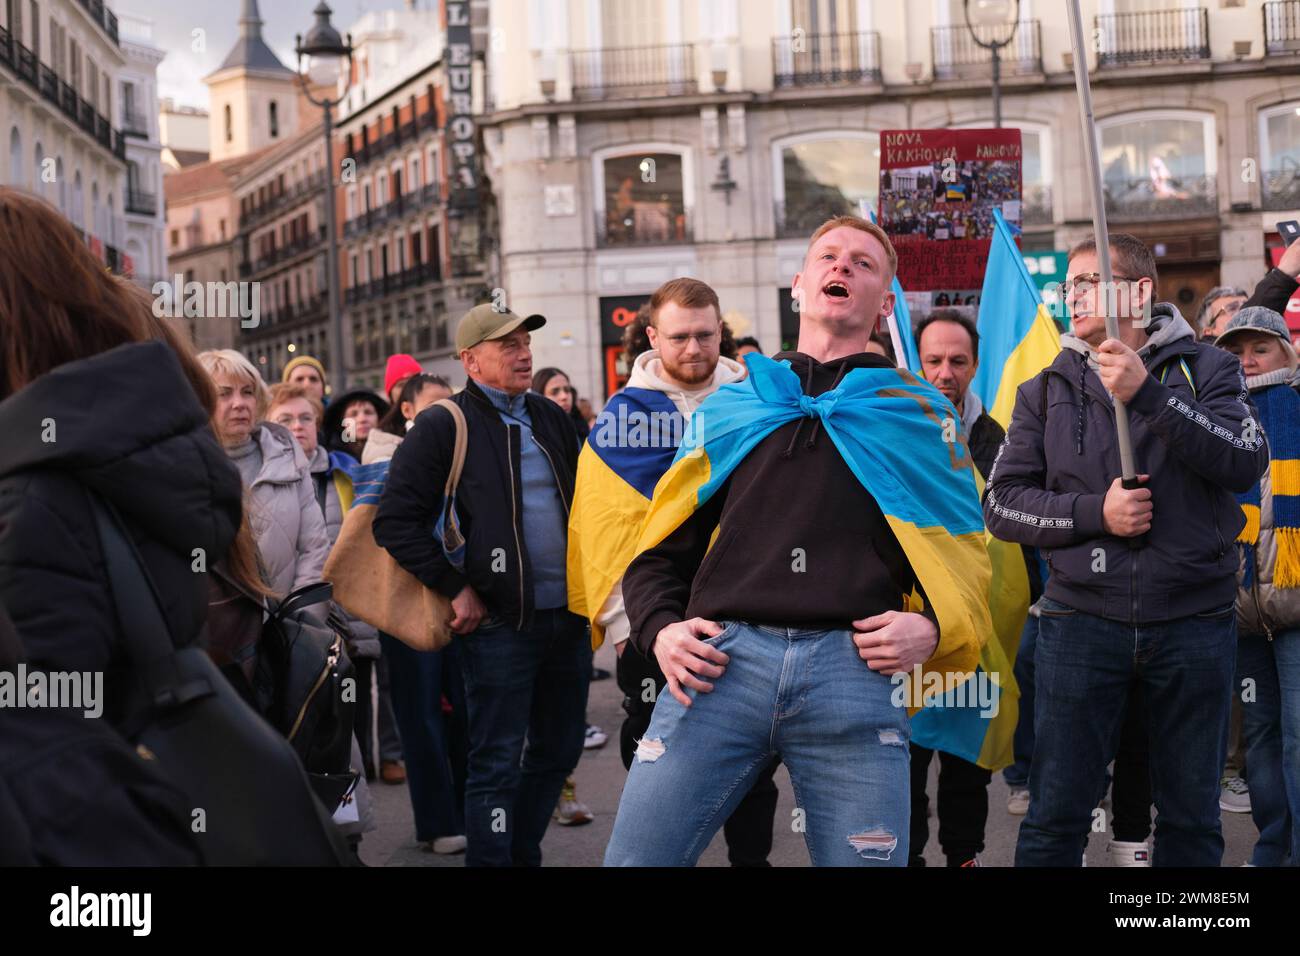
[(460, 113)]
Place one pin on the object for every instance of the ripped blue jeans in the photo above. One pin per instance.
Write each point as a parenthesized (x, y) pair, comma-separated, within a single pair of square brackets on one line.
[(805, 695)]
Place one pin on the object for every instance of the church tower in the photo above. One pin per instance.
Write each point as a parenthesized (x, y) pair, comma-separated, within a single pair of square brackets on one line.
[(253, 97)]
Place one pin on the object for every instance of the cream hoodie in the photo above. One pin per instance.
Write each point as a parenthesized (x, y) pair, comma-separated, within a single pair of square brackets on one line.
[(647, 372)]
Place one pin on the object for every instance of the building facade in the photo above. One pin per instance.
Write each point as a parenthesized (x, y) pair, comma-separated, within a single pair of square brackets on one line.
[(60, 116), (145, 218), (412, 260), (631, 141)]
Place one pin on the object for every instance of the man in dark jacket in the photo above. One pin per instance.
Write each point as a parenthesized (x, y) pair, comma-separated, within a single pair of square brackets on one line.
[(1142, 580), (812, 582), (527, 660), (948, 344)]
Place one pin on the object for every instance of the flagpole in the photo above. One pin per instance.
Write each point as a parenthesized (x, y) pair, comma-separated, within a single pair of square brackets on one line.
[(1106, 297)]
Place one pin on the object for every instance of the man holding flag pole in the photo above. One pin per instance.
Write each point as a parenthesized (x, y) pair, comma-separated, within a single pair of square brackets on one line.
[(1143, 571)]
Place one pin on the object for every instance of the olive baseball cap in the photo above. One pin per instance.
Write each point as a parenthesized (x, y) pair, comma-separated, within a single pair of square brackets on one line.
[(484, 323)]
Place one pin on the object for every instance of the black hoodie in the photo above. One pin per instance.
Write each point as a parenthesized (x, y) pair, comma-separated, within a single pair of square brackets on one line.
[(801, 543), (127, 425)]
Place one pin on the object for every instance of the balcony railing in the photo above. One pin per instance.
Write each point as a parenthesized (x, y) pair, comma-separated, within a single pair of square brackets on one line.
[(428, 195), (618, 72), (281, 201), (648, 225), (957, 55), (104, 17), (1153, 36), (288, 251), (1280, 189), (828, 59), (141, 203), (295, 314), (1182, 197), (47, 83), (799, 218), (378, 288), (394, 138), (1282, 27), (135, 123)]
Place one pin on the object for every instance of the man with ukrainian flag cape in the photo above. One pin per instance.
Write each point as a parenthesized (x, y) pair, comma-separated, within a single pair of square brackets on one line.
[(815, 538), (632, 444)]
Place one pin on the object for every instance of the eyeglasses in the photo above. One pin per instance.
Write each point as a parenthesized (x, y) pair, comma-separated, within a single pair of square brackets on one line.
[(1085, 283), (288, 421), (680, 341), (1227, 310)]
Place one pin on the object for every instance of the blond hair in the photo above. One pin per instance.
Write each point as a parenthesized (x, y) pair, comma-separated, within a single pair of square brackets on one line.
[(235, 367), (287, 392), (862, 225)]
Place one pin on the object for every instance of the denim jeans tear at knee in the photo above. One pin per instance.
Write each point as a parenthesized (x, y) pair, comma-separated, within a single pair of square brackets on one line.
[(648, 751), (890, 736), (875, 843)]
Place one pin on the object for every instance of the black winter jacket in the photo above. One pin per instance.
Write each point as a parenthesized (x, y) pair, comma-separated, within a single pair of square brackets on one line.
[(489, 500), (125, 424), (1274, 291), (1198, 442)]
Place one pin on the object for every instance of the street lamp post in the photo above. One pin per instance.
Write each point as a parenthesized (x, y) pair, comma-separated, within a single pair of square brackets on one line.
[(325, 48), (993, 13)]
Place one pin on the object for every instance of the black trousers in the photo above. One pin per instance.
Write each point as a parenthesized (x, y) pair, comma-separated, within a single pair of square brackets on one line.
[(748, 832), (963, 807), (1130, 792)]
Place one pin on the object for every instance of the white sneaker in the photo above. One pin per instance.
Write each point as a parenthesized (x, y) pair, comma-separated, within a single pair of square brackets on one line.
[(595, 738), (1234, 796), (1018, 802), (448, 845), (1128, 854)]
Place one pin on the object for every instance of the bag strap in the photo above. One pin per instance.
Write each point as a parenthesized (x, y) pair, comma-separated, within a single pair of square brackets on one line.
[(305, 596), (139, 616), (451, 524)]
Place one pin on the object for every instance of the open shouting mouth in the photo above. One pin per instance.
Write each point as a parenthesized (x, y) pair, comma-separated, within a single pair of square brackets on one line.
[(836, 290)]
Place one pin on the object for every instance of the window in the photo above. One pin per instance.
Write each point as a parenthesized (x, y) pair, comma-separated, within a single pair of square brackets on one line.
[(630, 23), (176, 238), (63, 185), (230, 126), (274, 119), (821, 17), (413, 177), (38, 171), (36, 29), (643, 198), (1279, 145), (16, 157), (824, 175), (1159, 163)]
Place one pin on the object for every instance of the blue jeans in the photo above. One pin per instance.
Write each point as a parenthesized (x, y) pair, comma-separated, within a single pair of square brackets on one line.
[(417, 682), (804, 695), (1017, 775), (1271, 726), (1084, 667), (521, 684)]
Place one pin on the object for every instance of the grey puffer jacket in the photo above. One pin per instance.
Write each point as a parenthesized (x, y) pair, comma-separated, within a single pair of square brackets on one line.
[(1265, 608), (283, 512), (1194, 434)]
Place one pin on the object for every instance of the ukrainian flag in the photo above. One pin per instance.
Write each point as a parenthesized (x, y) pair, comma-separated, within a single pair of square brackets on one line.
[(890, 429), (630, 447), (1018, 338)]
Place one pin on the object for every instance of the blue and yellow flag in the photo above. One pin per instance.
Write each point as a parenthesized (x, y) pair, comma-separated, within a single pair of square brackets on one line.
[(630, 447), (890, 429), (1018, 338)]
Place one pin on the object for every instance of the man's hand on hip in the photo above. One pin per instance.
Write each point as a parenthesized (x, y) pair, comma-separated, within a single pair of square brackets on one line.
[(684, 658), (896, 641), (467, 611)]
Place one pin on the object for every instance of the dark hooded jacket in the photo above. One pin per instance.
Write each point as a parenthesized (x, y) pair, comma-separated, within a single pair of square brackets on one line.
[(800, 542), (1194, 432), (127, 425)]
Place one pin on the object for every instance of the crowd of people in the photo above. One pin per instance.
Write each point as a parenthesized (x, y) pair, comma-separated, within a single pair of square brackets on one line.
[(771, 544)]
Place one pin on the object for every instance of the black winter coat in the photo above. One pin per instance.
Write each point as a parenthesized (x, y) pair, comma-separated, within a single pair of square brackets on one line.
[(489, 501), (127, 425)]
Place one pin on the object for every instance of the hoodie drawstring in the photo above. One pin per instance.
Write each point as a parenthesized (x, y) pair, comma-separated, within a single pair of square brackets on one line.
[(817, 425), (817, 422)]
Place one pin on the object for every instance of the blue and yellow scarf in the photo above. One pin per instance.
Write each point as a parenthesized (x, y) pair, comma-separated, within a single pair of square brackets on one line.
[(1279, 415)]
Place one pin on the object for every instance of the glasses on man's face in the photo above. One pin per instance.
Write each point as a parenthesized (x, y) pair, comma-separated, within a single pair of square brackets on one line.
[(1226, 312), (1084, 283), (288, 421), (680, 341)]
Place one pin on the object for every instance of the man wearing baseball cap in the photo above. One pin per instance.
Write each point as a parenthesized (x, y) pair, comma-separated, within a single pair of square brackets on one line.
[(527, 660)]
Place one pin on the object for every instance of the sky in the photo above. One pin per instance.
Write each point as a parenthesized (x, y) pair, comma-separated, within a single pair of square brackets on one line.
[(180, 74)]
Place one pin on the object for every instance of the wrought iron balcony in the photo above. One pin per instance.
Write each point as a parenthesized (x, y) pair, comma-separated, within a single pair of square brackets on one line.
[(957, 55), (625, 72), (141, 203), (1280, 188), (1182, 197), (428, 195), (1036, 207), (1152, 36), (644, 227), (135, 123), (827, 59), (1282, 27)]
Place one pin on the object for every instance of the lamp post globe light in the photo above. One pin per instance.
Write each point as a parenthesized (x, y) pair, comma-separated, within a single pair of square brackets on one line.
[(997, 17), (326, 53)]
